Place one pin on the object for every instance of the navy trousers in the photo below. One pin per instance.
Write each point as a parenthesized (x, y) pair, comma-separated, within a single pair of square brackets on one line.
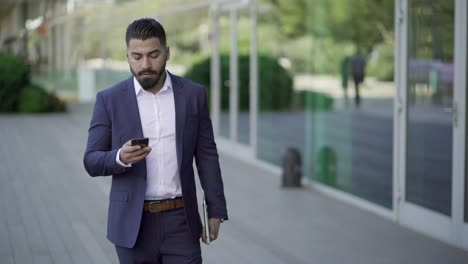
[(164, 238)]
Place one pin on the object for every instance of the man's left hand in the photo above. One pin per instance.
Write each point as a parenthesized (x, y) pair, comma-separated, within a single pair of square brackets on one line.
[(214, 229)]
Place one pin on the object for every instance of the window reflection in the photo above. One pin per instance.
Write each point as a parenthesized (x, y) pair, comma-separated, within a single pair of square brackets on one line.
[(339, 111), (430, 96)]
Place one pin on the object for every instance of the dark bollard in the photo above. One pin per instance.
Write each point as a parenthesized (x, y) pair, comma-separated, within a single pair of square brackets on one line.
[(292, 168)]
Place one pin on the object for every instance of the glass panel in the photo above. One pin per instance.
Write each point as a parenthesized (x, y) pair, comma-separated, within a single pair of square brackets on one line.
[(430, 96), (243, 120), (224, 37), (280, 121), (346, 141), (243, 127), (350, 106)]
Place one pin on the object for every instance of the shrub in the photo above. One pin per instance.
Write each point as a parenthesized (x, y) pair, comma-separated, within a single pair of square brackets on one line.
[(14, 75), (275, 83), (34, 99), (17, 94)]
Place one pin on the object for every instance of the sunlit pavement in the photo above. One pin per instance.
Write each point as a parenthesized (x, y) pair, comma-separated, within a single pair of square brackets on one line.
[(52, 212)]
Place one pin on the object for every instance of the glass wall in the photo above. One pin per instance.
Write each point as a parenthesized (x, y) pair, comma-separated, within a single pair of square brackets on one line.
[(242, 27), (242, 30), (326, 89), (225, 124), (282, 57), (430, 97)]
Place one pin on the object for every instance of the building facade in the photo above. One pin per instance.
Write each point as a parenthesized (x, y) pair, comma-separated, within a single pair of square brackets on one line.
[(396, 143)]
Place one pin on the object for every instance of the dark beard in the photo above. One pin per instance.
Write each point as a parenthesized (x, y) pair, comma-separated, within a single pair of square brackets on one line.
[(147, 83)]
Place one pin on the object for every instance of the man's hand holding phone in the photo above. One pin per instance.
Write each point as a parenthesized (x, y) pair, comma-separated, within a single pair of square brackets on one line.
[(134, 150)]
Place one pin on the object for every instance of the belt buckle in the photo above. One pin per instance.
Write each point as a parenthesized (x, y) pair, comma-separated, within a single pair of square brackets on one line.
[(150, 206)]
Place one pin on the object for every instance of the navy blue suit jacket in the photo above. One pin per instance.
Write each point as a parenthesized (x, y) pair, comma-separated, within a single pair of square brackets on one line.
[(116, 120)]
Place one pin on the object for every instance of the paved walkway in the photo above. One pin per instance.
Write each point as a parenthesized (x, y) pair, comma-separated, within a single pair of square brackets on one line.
[(52, 212)]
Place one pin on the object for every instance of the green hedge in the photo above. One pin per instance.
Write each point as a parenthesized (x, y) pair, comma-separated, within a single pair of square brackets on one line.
[(17, 94), (310, 100), (275, 83), (34, 99), (14, 75)]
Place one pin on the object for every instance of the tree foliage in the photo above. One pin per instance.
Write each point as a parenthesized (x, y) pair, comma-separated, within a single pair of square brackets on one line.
[(362, 22), (290, 16), (431, 28)]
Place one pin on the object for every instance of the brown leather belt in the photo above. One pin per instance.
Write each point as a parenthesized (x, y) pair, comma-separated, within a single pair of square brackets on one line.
[(163, 205)]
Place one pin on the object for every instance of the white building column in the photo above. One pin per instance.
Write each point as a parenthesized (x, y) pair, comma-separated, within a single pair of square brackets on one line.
[(460, 228), (233, 79), (215, 70), (253, 77)]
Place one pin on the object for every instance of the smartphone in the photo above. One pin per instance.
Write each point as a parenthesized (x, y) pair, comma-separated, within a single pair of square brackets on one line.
[(143, 142)]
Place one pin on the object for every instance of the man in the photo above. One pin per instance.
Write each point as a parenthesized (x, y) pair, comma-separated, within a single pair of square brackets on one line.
[(153, 212), (358, 65), (344, 76)]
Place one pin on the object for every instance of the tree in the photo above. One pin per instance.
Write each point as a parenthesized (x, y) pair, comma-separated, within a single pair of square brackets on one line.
[(362, 22), (290, 16)]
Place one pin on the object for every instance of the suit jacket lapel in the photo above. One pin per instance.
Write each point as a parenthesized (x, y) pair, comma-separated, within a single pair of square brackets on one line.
[(133, 115), (180, 103), (132, 120)]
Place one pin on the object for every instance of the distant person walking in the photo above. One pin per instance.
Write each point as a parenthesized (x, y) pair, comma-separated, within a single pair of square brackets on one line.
[(153, 211), (345, 69), (358, 67)]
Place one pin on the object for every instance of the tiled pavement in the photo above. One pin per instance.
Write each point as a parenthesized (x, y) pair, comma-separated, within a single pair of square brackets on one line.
[(52, 212)]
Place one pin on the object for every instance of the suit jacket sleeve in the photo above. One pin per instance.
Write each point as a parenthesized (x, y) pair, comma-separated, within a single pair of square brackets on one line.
[(99, 158), (207, 160)]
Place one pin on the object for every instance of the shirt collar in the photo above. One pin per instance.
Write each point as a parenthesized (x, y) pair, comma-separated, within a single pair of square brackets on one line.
[(167, 84)]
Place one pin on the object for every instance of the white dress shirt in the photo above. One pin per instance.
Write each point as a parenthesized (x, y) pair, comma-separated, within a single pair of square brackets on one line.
[(157, 115)]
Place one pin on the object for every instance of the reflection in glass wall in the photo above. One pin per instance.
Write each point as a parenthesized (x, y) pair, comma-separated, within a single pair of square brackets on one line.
[(225, 124), (430, 96), (243, 60), (280, 120), (326, 89)]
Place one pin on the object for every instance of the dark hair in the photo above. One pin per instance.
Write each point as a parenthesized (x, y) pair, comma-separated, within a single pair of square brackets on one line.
[(145, 28)]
